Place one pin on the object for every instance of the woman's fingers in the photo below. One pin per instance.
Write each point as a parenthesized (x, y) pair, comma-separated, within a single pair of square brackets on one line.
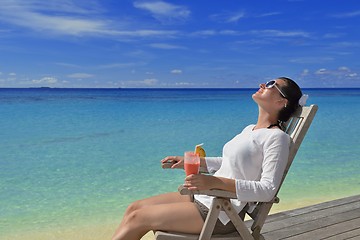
[(193, 182), (172, 162), (198, 182), (168, 159)]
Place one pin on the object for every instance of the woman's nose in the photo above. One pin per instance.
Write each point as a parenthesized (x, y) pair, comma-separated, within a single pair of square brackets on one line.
[(262, 85)]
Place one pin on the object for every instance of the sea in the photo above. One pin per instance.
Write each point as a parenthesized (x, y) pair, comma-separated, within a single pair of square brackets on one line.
[(71, 158)]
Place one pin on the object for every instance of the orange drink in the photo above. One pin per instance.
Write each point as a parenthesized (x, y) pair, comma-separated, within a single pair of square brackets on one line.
[(191, 163)]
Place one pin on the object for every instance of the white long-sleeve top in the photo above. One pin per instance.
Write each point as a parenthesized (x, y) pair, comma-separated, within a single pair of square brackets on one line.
[(256, 159)]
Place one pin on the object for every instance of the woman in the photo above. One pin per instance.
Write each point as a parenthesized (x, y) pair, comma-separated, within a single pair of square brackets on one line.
[(252, 165)]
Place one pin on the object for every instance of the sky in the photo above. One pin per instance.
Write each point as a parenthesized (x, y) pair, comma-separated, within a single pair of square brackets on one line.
[(178, 43)]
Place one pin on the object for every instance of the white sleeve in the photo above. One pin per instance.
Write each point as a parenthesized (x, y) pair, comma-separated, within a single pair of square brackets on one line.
[(213, 163), (276, 152)]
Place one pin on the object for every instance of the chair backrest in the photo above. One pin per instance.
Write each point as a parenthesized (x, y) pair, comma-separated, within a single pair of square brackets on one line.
[(297, 127)]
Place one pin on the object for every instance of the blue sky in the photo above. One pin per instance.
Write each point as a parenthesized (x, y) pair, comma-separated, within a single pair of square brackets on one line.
[(177, 44)]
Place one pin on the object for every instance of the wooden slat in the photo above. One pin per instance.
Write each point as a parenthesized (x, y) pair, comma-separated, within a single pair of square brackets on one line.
[(309, 209), (351, 234), (329, 231), (330, 219), (307, 215)]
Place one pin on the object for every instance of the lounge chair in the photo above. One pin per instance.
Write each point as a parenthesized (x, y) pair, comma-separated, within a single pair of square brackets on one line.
[(296, 127)]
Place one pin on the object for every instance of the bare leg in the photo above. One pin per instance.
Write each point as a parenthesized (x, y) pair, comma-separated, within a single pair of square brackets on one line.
[(170, 211), (172, 197)]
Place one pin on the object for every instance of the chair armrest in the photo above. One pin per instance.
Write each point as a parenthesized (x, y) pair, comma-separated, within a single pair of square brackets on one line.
[(215, 192)]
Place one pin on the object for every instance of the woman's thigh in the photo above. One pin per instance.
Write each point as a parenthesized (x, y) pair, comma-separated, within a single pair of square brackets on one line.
[(166, 198), (179, 217)]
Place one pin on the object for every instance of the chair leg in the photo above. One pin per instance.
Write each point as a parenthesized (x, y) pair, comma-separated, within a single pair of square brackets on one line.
[(256, 233), (211, 219), (236, 220), (262, 213)]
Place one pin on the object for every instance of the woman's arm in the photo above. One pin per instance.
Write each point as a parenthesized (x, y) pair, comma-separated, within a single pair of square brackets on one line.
[(206, 182), (275, 159), (276, 153)]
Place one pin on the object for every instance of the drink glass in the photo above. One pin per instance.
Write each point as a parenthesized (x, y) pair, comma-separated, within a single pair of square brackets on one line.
[(191, 163)]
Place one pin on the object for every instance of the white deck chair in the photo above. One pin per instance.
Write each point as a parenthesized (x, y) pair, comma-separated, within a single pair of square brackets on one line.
[(296, 127)]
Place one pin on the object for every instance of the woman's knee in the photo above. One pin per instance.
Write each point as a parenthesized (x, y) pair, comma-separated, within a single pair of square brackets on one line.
[(133, 207), (136, 220)]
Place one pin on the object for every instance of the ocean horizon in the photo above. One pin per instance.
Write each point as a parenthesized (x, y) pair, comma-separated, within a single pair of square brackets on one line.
[(75, 157)]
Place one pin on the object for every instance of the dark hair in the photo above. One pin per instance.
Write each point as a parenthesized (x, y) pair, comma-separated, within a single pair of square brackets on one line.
[(293, 93)]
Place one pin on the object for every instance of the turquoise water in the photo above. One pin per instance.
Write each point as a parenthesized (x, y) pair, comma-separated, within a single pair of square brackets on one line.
[(70, 156)]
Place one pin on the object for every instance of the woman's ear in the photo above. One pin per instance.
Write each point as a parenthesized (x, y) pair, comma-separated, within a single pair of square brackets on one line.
[(283, 103), (286, 102)]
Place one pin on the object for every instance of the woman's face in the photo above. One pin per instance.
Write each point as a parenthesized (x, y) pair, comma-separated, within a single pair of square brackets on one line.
[(270, 98)]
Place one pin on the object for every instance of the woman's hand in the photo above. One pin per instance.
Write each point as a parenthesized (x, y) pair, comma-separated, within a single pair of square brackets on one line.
[(200, 182), (173, 161)]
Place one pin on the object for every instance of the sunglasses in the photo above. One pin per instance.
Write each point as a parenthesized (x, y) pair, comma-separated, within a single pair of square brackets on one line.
[(271, 84)]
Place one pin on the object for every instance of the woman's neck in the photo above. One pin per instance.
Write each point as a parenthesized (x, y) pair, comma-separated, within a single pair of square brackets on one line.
[(265, 120)]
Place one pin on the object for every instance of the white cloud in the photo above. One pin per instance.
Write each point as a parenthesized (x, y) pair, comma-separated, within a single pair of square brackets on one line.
[(258, 33), (49, 80), (321, 71), (150, 81), (166, 46), (346, 44), (347, 15), (329, 77), (279, 33), (332, 35), (183, 84), (340, 73), (12, 74), (143, 33), (68, 18), (205, 33), (228, 17), (176, 71), (210, 32), (229, 32), (69, 65), (80, 75), (344, 69), (119, 65), (305, 72), (352, 75), (269, 14), (311, 60), (144, 83), (236, 17), (42, 18), (164, 11)]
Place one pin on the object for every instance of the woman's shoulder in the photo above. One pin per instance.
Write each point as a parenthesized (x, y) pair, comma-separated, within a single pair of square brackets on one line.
[(278, 134), (273, 134)]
